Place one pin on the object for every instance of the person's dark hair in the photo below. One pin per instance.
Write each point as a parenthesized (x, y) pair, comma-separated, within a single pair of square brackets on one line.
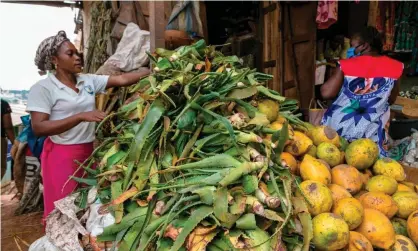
[(371, 36)]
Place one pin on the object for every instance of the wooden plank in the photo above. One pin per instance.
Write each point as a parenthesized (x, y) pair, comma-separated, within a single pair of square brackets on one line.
[(289, 84), (301, 18), (301, 38), (291, 50), (313, 58), (157, 24), (203, 17), (271, 42), (304, 52), (269, 64), (291, 93), (281, 51), (115, 7), (276, 52), (140, 18), (269, 7), (144, 7), (260, 36), (266, 35), (167, 9), (86, 26)]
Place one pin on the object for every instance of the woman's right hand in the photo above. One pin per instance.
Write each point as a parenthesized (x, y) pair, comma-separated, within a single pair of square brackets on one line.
[(93, 116)]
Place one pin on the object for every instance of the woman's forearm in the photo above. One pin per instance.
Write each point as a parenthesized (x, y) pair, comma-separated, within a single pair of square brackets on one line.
[(55, 127), (132, 77), (8, 127), (394, 93), (332, 86), (126, 79)]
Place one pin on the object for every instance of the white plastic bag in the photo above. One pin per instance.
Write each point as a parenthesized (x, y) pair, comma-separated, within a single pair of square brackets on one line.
[(43, 244), (131, 51), (96, 222)]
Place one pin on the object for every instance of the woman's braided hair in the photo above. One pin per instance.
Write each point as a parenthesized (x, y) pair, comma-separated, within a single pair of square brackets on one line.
[(371, 36)]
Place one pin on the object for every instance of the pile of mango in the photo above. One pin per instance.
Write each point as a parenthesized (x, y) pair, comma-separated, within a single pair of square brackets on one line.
[(358, 201), (202, 155)]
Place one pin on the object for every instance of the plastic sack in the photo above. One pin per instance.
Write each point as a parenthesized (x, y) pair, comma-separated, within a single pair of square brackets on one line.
[(64, 226), (43, 244), (97, 221), (130, 53), (27, 135)]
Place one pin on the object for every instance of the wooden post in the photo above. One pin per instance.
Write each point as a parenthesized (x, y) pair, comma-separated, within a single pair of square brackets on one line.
[(156, 24)]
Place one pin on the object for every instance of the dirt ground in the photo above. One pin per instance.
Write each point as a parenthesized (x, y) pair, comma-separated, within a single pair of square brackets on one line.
[(17, 232)]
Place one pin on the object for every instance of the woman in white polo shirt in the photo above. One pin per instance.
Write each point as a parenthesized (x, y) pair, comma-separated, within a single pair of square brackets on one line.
[(62, 107)]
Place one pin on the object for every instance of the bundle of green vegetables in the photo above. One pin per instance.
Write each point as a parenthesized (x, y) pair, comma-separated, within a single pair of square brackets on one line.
[(189, 162)]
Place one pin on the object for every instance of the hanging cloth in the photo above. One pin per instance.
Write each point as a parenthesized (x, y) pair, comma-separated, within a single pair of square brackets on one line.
[(326, 13), (406, 26), (373, 5), (186, 17), (385, 23)]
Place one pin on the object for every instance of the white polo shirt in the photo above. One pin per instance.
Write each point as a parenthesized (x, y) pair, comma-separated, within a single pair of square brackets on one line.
[(51, 96)]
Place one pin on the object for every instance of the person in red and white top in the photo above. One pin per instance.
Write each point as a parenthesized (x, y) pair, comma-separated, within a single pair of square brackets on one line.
[(363, 87)]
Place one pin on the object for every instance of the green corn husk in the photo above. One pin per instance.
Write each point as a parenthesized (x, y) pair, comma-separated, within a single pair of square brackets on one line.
[(184, 157), (250, 183)]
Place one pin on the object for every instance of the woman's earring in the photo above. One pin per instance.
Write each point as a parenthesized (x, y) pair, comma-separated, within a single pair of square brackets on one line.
[(56, 66)]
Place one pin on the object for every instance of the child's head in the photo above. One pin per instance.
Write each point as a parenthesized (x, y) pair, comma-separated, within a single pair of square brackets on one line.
[(336, 42)]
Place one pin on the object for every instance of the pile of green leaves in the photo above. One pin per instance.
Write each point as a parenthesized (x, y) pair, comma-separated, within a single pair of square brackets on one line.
[(184, 165)]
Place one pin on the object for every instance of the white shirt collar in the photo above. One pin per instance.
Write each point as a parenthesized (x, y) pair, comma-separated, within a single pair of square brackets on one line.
[(60, 85)]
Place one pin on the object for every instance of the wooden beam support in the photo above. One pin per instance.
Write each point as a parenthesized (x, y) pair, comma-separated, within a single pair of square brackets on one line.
[(289, 84), (269, 64), (272, 7), (301, 38), (156, 24)]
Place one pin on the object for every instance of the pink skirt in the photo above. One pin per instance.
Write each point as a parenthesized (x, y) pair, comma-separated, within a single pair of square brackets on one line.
[(57, 163)]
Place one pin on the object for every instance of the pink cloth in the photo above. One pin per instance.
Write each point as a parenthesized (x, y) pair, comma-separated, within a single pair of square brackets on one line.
[(57, 163), (326, 13)]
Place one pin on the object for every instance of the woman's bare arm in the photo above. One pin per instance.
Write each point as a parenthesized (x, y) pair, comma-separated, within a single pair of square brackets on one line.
[(332, 87), (42, 126), (394, 93), (125, 79), (8, 127)]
